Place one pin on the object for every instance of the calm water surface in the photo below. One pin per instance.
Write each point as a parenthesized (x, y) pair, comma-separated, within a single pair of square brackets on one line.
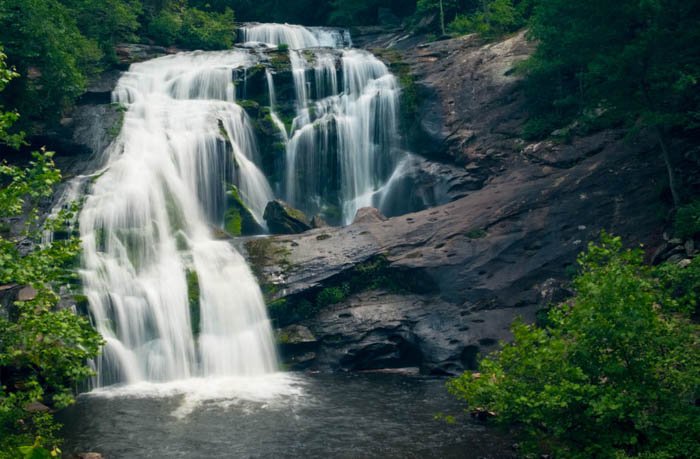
[(288, 415)]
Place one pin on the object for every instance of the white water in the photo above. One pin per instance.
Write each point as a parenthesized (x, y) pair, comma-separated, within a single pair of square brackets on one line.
[(146, 224), (342, 146), (146, 227)]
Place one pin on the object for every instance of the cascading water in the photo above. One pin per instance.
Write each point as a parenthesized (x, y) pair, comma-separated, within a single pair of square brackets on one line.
[(343, 142), (170, 300)]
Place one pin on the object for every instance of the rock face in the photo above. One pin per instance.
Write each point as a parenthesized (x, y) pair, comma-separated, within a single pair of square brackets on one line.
[(282, 218), (501, 249)]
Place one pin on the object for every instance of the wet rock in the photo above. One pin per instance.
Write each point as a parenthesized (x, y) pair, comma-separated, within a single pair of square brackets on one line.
[(36, 407), (368, 215), (379, 330), (318, 222), (295, 334), (553, 291), (684, 263), (689, 247), (297, 346), (282, 218), (8, 295), (238, 219), (90, 455), (27, 293), (419, 183), (128, 53)]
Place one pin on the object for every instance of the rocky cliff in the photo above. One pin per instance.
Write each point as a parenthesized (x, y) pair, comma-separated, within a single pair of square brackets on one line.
[(452, 278), (433, 289)]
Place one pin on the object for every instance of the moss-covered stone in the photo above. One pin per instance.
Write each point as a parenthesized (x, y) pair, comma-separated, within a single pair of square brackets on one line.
[(193, 299), (281, 218), (238, 219), (373, 274)]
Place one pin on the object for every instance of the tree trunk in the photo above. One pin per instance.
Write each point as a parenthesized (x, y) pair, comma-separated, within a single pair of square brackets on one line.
[(660, 136), (442, 18)]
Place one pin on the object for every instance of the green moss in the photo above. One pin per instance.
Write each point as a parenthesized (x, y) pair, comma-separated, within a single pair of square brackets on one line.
[(478, 233), (238, 219), (409, 98), (332, 295), (193, 299), (115, 129), (232, 221), (323, 237), (296, 213), (262, 253)]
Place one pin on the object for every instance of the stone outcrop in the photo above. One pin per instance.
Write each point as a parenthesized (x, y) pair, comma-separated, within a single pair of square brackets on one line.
[(282, 218), (238, 219), (502, 248)]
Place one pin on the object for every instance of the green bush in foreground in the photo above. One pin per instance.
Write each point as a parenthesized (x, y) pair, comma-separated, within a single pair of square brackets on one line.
[(615, 373), (43, 350)]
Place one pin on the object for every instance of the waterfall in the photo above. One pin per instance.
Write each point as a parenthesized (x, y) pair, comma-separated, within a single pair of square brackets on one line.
[(171, 301), (342, 147)]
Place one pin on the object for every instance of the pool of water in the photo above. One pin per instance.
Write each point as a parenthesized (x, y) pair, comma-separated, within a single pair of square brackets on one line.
[(286, 415)]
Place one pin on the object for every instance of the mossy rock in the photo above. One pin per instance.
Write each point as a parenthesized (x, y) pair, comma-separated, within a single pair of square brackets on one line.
[(193, 299), (238, 219), (282, 218)]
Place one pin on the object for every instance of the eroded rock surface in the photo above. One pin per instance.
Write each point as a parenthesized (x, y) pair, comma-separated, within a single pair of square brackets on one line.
[(506, 244)]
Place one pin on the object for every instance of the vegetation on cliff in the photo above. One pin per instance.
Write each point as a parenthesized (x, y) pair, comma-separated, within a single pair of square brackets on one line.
[(57, 45), (43, 349)]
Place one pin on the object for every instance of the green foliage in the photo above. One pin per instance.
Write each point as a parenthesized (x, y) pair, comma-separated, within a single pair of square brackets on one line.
[(193, 28), (54, 62), (332, 295), (615, 373), (477, 233), (493, 18), (165, 27), (636, 60), (107, 22), (687, 221), (201, 30), (43, 351)]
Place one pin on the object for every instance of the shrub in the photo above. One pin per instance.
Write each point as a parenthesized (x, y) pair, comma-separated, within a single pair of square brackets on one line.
[(205, 30), (165, 28), (615, 373), (687, 223)]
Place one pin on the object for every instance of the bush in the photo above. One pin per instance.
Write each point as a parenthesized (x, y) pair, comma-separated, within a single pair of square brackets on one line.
[(687, 223), (165, 28), (43, 350), (615, 373), (203, 30)]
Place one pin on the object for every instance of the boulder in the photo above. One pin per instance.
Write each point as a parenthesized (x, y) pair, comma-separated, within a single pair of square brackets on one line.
[(318, 222), (368, 215), (295, 334), (238, 219), (282, 218)]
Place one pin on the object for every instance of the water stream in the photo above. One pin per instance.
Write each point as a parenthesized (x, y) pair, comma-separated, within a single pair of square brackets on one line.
[(189, 368), (171, 301)]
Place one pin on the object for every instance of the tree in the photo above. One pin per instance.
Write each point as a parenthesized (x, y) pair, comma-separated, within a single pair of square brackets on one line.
[(493, 18), (43, 350), (42, 40), (615, 372), (625, 61)]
